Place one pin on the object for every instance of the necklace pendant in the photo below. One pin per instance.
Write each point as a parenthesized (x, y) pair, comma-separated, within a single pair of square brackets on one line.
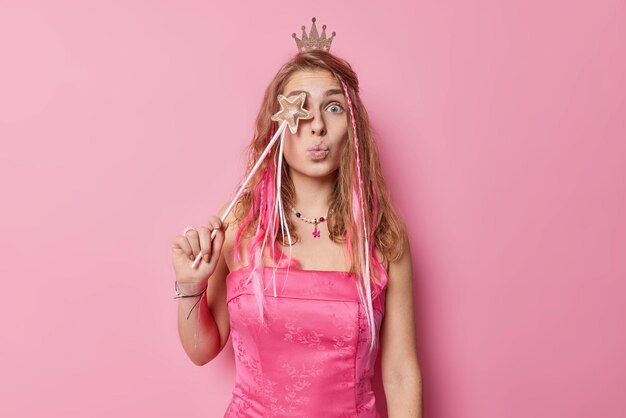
[(316, 232)]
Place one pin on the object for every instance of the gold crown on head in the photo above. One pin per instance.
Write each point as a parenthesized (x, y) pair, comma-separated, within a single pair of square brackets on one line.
[(313, 40)]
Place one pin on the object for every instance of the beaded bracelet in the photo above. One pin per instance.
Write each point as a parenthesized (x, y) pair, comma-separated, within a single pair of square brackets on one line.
[(182, 295)]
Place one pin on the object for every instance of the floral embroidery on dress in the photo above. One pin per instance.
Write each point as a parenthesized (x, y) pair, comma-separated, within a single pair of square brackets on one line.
[(300, 380), (247, 361), (311, 338), (344, 337)]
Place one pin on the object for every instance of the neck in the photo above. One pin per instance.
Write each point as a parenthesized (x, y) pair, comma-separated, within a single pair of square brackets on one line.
[(313, 193)]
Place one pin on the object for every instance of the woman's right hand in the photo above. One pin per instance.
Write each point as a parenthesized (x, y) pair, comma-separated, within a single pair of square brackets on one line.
[(186, 247)]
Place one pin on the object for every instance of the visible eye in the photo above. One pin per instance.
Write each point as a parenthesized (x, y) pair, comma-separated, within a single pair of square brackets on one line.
[(335, 108)]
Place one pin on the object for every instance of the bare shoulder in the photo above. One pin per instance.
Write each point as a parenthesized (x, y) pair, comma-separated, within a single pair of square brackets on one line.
[(230, 219), (381, 258), (229, 238), (403, 266)]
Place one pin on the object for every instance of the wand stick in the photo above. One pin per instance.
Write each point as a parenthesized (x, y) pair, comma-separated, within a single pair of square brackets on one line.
[(291, 111), (223, 217)]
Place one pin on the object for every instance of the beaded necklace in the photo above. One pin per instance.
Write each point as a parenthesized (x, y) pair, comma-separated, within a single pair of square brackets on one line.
[(314, 221)]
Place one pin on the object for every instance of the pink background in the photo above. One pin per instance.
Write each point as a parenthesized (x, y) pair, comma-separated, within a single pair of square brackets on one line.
[(501, 127)]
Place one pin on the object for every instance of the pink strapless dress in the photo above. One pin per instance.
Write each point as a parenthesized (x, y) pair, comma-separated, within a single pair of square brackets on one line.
[(312, 359)]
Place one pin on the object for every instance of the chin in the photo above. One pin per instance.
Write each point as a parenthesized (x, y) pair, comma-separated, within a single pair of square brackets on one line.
[(321, 172), (318, 171)]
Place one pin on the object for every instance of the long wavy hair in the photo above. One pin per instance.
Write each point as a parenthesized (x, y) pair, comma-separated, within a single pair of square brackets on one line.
[(360, 205)]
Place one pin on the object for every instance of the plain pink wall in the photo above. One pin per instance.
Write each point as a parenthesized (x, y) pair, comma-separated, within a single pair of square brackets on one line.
[(501, 127)]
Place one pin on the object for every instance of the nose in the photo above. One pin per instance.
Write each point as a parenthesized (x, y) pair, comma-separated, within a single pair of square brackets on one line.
[(318, 127)]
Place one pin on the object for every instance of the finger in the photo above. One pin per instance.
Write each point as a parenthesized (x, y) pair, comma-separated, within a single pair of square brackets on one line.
[(216, 246), (194, 242), (182, 243), (214, 222), (204, 234)]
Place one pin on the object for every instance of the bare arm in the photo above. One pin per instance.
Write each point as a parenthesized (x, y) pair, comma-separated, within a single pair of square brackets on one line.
[(200, 334), (204, 330), (401, 373)]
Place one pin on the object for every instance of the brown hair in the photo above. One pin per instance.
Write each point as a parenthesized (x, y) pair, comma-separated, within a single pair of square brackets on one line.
[(389, 231)]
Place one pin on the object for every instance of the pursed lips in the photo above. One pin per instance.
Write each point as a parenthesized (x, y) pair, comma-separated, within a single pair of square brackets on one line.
[(317, 152), (318, 147)]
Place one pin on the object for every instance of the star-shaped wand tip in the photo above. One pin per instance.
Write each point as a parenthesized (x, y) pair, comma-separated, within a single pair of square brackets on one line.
[(292, 111)]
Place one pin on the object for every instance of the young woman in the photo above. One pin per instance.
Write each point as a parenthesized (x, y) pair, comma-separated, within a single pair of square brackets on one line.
[(305, 310)]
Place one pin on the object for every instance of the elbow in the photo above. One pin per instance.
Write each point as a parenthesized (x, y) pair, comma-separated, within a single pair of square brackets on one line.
[(413, 381), (201, 360)]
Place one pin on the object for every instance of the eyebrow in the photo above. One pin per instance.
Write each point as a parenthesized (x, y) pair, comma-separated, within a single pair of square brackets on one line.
[(328, 92)]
